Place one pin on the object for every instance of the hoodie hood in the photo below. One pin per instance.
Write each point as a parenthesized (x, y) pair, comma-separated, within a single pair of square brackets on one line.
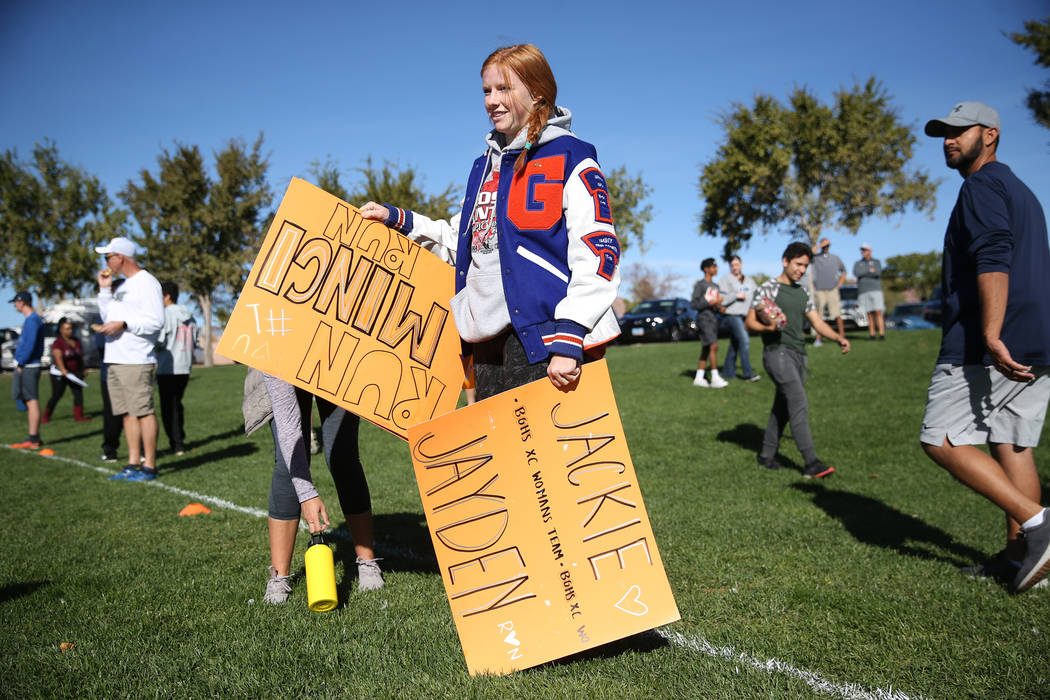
[(559, 124), (181, 313)]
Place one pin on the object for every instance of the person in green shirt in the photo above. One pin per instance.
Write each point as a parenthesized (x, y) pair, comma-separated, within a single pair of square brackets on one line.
[(777, 312)]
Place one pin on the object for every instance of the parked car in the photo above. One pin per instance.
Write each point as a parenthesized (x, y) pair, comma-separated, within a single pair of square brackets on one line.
[(10, 342), (908, 317), (931, 309), (82, 332), (852, 316), (659, 319)]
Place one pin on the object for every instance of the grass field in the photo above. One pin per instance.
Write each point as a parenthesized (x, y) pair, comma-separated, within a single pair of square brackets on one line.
[(846, 587)]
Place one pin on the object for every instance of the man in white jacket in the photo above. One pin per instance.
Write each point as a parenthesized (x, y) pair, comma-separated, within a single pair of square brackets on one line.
[(131, 321)]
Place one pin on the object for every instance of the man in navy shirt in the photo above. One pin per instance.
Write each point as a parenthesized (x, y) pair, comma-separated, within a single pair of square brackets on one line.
[(27, 373), (992, 378)]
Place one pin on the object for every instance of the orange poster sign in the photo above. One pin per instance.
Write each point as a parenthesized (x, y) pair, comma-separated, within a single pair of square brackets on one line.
[(350, 310), (538, 524)]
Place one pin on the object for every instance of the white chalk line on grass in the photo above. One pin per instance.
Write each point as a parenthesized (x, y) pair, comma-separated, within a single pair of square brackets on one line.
[(819, 684), (339, 533)]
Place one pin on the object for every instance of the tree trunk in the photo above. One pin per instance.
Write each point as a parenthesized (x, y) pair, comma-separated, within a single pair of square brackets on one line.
[(205, 303)]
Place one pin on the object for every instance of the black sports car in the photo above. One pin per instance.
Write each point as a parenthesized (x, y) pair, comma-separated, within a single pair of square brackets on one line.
[(659, 319)]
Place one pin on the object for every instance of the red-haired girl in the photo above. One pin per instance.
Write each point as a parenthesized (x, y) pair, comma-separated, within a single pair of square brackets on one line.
[(535, 251)]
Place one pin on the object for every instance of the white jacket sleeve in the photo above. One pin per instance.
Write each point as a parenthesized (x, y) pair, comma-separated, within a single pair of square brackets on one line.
[(593, 253)]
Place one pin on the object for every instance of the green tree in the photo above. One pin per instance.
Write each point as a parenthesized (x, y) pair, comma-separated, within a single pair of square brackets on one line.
[(326, 176), (52, 214), (920, 272), (802, 167), (402, 187), (626, 194), (199, 230), (1037, 39)]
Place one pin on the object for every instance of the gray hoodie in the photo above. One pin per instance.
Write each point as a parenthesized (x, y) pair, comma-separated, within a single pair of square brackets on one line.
[(175, 344)]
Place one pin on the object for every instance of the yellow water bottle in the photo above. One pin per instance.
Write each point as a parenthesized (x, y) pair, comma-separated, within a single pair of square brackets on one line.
[(320, 575)]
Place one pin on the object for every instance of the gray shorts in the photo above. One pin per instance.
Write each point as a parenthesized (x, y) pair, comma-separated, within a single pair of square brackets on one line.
[(870, 302), (707, 322), (131, 389), (973, 404), (26, 384)]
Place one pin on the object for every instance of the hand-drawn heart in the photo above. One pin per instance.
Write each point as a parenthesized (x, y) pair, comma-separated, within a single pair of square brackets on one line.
[(634, 606), (512, 638)]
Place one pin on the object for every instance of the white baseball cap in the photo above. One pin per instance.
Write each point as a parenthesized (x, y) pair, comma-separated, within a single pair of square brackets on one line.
[(120, 246)]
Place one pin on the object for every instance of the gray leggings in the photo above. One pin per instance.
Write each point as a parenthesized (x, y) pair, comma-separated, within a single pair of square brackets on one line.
[(787, 369), (291, 435)]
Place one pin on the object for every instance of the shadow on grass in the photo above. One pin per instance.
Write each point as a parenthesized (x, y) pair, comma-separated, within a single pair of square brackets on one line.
[(192, 461), (48, 442), (873, 522), (194, 444), (402, 542), (14, 591), (749, 436), (643, 642)]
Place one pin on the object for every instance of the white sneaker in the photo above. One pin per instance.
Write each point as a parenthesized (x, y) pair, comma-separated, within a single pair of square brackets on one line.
[(700, 381), (369, 576), (277, 588), (717, 382)]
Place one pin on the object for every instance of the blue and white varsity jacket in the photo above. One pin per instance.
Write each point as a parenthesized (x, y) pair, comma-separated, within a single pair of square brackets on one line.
[(558, 251)]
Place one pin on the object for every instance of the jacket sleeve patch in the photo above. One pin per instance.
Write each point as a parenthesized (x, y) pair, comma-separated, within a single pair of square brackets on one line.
[(594, 181), (607, 247)]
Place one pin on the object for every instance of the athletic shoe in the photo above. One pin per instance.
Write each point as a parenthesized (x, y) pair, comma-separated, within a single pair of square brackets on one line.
[(277, 588), (770, 463), (818, 342), (700, 381), (142, 475), (753, 378), (27, 445), (817, 470), (369, 577), (998, 567), (717, 382), (124, 473), (1036, 564), (107, 458)]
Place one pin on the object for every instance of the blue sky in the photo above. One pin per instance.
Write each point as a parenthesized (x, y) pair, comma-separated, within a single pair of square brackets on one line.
[(112, 83)]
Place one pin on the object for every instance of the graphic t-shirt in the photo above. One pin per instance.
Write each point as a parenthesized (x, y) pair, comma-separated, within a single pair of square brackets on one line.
[(483, 223), (794, 301)]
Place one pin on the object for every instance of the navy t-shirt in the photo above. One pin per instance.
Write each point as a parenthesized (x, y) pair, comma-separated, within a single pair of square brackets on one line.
[(997, 225)]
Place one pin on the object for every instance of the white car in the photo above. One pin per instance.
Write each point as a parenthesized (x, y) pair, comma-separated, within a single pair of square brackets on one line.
[(10, 342)]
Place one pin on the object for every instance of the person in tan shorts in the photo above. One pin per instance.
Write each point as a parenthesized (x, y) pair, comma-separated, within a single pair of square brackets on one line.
[(131, 321)]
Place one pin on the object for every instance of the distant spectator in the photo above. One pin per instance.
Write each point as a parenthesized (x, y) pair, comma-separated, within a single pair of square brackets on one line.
[(707, 301), (784, 357), (829, 273), (26, 384), (67, 358), (174, 360), (112, 426), (737, 290), (132, 319), (868, 272)]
